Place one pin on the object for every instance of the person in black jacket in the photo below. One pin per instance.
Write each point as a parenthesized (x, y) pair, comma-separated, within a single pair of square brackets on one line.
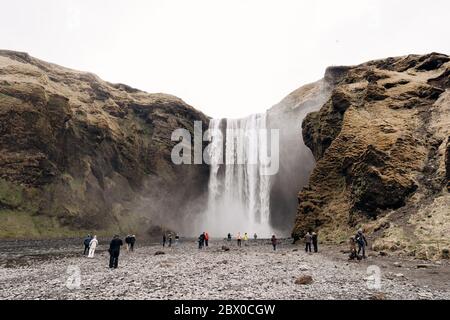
[(87, 242), (362, 243), (315, 242), (114, 251), (132, 242)]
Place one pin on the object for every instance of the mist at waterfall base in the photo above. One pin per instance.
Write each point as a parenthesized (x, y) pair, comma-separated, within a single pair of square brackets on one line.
[(240, 199), (239, 184)]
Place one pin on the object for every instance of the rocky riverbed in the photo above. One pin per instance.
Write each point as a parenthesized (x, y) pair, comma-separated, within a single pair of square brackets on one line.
[(49, 270)]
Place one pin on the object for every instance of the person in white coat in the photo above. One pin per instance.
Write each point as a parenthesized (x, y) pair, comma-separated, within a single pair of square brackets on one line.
[(92, 247)]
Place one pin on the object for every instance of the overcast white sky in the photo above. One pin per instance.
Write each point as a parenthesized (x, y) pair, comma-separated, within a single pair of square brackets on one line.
[(228, 58)]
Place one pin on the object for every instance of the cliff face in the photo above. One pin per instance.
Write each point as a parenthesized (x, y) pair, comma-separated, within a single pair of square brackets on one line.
[(381, 143), (80, 153), (295, 160)]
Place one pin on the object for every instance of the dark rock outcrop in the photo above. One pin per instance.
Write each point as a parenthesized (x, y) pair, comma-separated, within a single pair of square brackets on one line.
[(89, 154), (381, 146)]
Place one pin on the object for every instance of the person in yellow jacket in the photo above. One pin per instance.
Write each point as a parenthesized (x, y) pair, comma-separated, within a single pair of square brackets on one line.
[(245, 238)]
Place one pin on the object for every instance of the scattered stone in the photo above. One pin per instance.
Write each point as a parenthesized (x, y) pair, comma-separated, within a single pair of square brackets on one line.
[(303, 268), (378, 296), (225, 248), (397, 264), (423, 266), (383, 254), (399, 275), (304, 280), (295, 250), (159, 253), (445, 254)]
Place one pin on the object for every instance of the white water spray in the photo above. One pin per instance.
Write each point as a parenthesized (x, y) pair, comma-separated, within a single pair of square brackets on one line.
[(239, 190)]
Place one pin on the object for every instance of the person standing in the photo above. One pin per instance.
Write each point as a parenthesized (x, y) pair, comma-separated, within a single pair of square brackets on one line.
[(315, 242), (201, 241), (206, 239), (229, 237), (245, 238), (177, 239), (114, 252), (87, 242), (308, 239), (362, 243), (92, 246), (239, 239), (170, 240), (132, 242), (255, 236), (274, 242), (128, 242), (164, 240)]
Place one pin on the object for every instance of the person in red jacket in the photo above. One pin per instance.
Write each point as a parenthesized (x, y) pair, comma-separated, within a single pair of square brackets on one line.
[(206, 239)]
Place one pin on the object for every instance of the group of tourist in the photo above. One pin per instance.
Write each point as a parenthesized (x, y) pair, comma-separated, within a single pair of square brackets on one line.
[(168, 239), (311, 243), (91, 243)]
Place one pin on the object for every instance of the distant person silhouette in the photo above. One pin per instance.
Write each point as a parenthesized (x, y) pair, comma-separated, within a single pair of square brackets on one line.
[(132, 242), (315, 242), (114, 251), (308, 240), (362, 243), (239, 239), (86, 243), (164, 240), (274, 242), (201, 241), (206, 238), (229, 237), (255, 236)]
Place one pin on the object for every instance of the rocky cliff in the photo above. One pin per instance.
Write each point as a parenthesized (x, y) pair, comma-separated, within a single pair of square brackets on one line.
[(79, 153), (381, 143)]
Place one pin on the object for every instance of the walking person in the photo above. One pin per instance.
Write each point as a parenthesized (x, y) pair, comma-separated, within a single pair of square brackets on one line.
[(206, 239), (239, 239), (128, 242), (114, 252), (362, 243), (86, 242), (92, 246), (132, 242), (315, 242), (274, 242), (164, 240), (308, 240)]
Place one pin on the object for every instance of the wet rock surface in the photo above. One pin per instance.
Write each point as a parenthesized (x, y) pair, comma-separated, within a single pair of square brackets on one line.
[(254, 271)]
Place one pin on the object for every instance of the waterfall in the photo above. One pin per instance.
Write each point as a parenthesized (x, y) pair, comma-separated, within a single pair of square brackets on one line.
[(239, 191)]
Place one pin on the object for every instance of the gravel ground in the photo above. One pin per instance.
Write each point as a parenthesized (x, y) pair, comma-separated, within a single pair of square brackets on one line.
[(254, 271)]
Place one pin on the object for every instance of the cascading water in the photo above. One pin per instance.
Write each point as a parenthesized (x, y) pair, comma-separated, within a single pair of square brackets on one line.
[(239, 188)]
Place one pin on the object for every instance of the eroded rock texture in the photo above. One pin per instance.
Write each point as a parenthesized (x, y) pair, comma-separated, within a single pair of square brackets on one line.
[(81, 153), (381, 143)]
